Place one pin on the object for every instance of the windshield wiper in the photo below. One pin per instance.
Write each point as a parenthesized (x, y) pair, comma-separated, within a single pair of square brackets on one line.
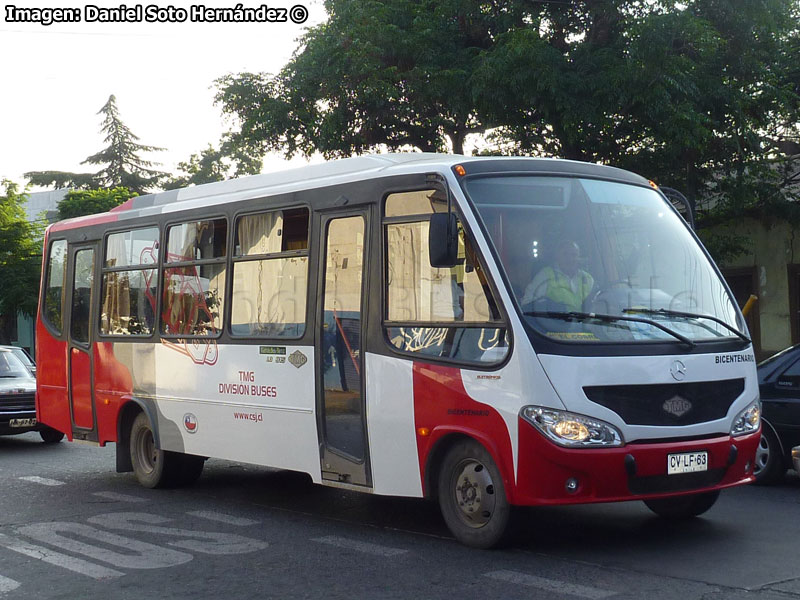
[(677, 313), (583, 316)]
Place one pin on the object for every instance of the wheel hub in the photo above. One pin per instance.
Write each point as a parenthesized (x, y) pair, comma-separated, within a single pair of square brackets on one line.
[(474, 493), (762, 455), (146, 451)]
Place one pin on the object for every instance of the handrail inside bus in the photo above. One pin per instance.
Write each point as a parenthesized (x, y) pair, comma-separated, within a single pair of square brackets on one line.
[(346, 343)]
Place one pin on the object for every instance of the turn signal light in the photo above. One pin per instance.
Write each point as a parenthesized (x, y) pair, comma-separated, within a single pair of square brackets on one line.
[(460, 170), (423, 431)]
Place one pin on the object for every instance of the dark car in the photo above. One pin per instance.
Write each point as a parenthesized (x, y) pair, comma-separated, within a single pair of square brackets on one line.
[(18, 400), (779, 385), (23, 357)]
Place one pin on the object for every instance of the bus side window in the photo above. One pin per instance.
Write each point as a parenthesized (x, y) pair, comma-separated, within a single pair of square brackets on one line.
[(446, 313), (54, 292), (128, 300), (194, 278), (83, 278), (270, 274)]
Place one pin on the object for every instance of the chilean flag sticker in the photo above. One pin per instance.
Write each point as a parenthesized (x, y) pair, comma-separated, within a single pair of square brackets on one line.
[(190, 423)]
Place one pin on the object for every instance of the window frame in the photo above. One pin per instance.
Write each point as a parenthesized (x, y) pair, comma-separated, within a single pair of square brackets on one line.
[(72, 339), (164, 265), (235, 259), (156, 267), (49, 325), (503, 322)]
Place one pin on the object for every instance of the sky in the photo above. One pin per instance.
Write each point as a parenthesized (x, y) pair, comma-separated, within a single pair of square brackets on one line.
[(55, 78)]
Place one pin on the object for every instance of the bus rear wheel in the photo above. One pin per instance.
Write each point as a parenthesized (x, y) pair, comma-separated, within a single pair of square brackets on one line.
[(50, 435), (155, 468), (683, 507), (472, 497)]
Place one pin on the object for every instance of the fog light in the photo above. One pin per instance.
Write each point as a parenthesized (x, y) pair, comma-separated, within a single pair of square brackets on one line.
[(572, 485), (747, 467)]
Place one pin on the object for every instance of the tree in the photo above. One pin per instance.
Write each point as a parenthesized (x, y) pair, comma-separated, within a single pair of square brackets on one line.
[(20, 260), (694, 95), (77, 203), (214, 165), (123, 167), (698, 94), (392, 74)]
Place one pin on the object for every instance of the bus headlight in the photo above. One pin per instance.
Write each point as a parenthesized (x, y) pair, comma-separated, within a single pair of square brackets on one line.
[(572, 430), (748, 420)]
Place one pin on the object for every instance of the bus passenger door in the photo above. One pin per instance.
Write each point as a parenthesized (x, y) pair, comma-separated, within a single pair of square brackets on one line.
[(81, 330), (340, 374)]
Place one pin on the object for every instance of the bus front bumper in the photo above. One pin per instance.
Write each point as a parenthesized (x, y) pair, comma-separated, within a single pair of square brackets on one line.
[(551, 474)]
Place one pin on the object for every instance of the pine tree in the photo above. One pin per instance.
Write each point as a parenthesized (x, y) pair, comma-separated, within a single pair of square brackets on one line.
[(123, 165), (124, 168)]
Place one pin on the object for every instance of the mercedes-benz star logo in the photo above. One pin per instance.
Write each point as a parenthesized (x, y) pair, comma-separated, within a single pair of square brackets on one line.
[(678, 370)]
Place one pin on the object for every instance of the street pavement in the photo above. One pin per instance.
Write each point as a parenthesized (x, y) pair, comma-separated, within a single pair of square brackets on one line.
[(70, 527)]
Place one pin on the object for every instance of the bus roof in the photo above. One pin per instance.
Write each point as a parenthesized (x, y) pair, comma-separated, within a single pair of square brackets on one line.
[(335, 172)]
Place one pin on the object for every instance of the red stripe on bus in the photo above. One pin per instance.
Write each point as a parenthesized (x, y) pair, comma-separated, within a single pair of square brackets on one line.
[(443, 406), (84, 222)]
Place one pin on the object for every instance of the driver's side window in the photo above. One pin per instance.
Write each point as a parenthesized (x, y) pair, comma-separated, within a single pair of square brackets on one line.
[(441, 312)]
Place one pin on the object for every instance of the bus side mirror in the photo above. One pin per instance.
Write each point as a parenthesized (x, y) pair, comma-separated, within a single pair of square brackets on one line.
[(443, 240), (681, 203)]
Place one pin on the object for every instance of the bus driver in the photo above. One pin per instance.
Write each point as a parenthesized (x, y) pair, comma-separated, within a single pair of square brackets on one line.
[(565, 283)]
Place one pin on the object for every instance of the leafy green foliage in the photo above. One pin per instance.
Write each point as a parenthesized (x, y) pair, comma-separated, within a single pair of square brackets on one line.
[(61, 179), (214, 165), (699, 95), (725, 246), (77, 203), (20, 257), (391, 74), (123, 167)]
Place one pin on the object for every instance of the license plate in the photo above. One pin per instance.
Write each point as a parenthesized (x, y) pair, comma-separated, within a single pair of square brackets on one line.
[(22, 422), (687, 462)]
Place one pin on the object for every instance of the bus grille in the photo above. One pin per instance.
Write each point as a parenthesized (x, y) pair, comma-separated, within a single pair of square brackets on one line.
[(17, 402), (668, 404)]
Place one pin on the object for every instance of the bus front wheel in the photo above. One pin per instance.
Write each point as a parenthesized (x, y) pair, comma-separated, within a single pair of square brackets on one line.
[(154, 468), (683, 507), (472, 497)]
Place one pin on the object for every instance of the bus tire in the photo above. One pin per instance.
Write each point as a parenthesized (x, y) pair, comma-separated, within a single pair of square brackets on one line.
[(768, 468), (472, 497), (153, 468), (50, 435), (683, 507)]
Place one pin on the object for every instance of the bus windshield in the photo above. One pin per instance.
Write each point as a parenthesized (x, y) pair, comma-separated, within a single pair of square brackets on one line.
[(599, 261)]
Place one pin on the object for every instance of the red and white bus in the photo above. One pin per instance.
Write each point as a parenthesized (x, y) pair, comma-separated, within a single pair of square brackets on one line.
[(489, 332)]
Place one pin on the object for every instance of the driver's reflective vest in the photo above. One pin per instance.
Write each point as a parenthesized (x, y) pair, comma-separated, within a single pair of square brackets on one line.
[(559, 288)]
